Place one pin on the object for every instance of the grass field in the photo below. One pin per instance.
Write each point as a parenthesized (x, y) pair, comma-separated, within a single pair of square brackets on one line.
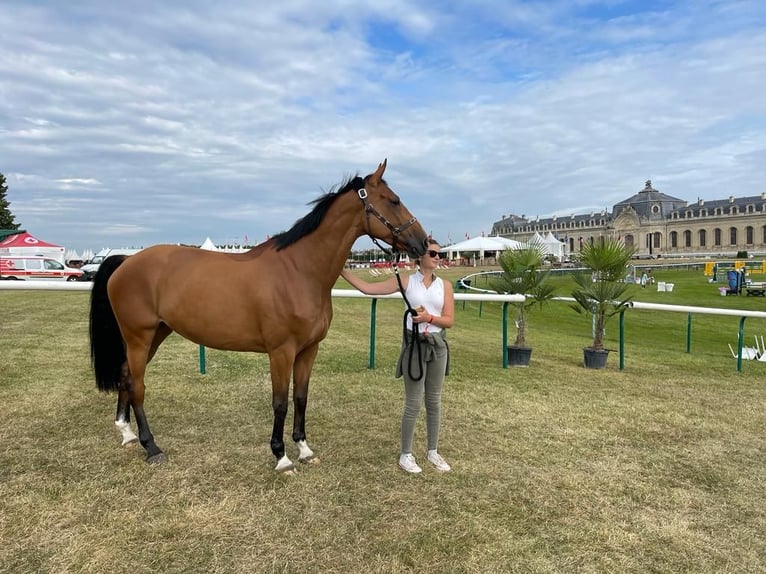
[(656, 468)]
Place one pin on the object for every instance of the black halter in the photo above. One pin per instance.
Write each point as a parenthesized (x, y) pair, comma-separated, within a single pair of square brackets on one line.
[(369, 209), (415, 346)]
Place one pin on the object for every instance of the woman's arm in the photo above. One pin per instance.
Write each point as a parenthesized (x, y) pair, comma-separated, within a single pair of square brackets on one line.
[(386, 287), (447, 318)]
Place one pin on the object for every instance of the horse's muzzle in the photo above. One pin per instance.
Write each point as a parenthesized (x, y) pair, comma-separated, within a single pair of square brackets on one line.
[(416, 243)]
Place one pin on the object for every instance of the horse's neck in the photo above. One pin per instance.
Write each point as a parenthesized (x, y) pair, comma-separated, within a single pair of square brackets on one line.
[(326, 250)]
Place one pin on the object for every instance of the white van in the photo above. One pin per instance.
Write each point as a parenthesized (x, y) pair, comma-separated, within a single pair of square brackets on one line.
[(36, 268), (92, 266)]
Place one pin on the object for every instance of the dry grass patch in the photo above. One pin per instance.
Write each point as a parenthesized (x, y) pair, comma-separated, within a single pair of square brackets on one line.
[(658, 468)]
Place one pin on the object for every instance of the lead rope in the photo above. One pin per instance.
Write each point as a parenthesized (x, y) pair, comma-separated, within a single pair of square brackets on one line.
[(395, 231), (414, 343)]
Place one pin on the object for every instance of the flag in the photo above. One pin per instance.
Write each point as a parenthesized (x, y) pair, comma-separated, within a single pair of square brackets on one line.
[(467, 236), (245, 239)]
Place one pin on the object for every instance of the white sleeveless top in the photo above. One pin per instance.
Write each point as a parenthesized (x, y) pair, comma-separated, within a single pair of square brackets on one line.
[(432, 298)]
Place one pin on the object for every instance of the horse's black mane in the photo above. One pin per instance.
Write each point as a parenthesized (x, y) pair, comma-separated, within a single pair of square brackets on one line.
[(311, 221)]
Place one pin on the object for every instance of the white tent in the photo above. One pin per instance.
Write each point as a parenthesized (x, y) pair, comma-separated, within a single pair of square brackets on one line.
[(208, 245), (509, 243), (550, 244), (480, 245), (72, 255), (537, 239), (556, 248)]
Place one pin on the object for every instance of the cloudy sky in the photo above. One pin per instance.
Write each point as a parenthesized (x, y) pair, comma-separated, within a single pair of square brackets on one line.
[(142, 122)]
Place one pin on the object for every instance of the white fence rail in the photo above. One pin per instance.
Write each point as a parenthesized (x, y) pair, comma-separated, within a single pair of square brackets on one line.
[(350, 293), (479, 297)]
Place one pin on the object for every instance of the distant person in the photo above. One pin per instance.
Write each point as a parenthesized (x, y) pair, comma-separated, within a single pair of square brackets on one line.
[(644, 278), (433, 299)]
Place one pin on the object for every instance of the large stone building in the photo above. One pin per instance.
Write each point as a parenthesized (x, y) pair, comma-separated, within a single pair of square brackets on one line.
[(658, 225)]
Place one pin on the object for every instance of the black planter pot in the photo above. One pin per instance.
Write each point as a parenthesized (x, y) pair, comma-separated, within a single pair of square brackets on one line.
[(518, 356), (595, 358)]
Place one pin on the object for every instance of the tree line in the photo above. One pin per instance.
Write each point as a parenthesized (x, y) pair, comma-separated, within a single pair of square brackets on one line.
[(7, 219)]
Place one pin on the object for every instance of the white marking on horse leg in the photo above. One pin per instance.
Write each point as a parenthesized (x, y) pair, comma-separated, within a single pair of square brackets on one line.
[(128, 436), (305, 454), (285, 465)]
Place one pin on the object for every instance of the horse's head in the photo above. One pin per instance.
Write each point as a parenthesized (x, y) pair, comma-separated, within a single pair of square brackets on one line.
[(391, 221)]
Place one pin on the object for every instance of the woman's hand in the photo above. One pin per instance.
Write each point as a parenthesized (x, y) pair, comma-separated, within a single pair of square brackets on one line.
[(422, 316)]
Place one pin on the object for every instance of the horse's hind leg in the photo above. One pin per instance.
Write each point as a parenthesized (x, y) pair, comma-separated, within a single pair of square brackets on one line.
[(122, 418), (138, 357), (304, 362)]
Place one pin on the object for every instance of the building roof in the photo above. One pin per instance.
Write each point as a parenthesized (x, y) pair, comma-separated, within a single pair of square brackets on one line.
[(649, 203)]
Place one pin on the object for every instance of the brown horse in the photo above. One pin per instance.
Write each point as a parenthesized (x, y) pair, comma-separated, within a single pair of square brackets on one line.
[(274, 299)]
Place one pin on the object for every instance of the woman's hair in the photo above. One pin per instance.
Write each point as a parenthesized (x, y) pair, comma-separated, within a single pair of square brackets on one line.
[(431, 241)]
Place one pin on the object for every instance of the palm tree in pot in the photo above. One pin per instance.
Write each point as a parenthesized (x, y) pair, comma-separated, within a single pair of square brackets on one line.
[(602, 292), (523, 273)]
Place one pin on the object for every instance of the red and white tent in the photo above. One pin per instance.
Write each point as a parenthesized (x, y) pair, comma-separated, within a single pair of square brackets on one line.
[(27, 244)]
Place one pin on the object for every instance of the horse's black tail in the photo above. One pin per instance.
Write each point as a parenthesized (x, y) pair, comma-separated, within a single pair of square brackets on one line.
[(107, 349)]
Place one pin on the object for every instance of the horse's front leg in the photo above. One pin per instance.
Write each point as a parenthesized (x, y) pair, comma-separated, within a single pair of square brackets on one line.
[(281, 363), (304, 362)]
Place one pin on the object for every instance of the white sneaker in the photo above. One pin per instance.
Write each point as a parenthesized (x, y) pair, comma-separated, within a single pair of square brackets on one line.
[(407, 462), (435, 459)]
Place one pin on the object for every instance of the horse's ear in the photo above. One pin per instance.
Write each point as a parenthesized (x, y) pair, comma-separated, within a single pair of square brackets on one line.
[(375, 178)]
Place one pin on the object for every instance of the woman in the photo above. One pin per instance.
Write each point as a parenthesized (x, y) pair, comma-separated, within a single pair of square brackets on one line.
[(423, 368)]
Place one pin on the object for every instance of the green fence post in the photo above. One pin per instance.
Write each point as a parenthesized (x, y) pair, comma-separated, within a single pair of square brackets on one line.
[(505, 334), (689, 334), (459, 288), (202, 368), (373, 306), (739, 343), (622, 340)]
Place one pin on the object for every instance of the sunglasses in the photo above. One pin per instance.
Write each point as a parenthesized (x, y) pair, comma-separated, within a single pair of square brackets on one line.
[(433, 254)]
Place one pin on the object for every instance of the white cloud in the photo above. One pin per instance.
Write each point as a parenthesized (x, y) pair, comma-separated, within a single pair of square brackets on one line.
[(178, 121)]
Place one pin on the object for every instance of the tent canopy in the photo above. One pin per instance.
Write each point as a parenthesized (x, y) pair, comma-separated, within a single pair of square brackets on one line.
[(25, 239), (72, 255), (550, 244), (481, 244), (26, 244), (208, 245)]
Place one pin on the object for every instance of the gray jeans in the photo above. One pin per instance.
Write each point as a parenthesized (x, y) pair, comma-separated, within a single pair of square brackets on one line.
[(434, 360)]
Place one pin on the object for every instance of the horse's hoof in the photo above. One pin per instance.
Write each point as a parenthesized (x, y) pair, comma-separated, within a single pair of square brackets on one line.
[(131, 444), (290, 472), (285, 466), (309, 460), (158, 458)]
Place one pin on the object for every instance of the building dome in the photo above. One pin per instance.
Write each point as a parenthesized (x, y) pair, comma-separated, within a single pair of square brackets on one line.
[(649, 203)]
